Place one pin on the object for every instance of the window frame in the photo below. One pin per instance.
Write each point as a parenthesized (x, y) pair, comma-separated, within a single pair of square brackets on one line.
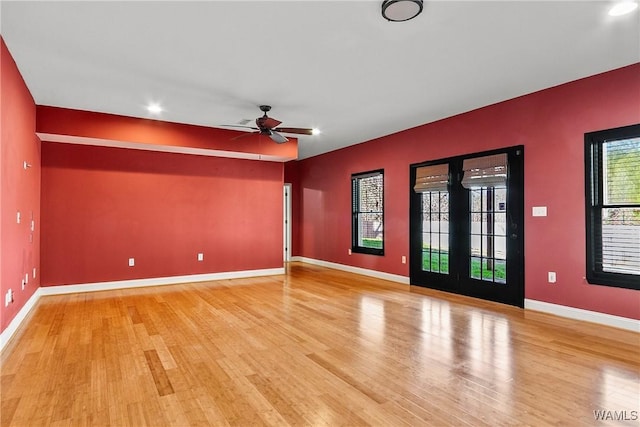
[(355, 213), (594, 204)]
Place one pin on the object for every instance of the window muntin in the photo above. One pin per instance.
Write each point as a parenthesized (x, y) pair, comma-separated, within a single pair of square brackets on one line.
[(367, 194), (613, 207)]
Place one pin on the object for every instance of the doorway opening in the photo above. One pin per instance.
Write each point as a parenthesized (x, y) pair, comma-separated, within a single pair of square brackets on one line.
[(286, 226)]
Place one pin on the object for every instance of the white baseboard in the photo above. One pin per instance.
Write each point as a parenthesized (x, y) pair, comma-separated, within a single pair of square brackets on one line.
[(357, 270), (157, 281), (6, 335), (585, 315), (15, 323)]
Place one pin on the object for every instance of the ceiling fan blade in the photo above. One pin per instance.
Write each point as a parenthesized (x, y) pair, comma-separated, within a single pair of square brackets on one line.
[(299, 131), (267, 122), (277, 138), (239, 126), (244, 134)]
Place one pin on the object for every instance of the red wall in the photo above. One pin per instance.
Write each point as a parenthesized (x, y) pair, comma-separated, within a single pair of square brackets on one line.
[(102, 206), (19, 189), (64, 121), (550, 124)]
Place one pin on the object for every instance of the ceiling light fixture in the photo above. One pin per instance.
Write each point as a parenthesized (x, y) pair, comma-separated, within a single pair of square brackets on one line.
[(401, 10), (315, 131), (154, 108), (622, 8)]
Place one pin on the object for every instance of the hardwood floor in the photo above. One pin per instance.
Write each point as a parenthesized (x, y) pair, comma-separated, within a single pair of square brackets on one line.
[(314, 347)]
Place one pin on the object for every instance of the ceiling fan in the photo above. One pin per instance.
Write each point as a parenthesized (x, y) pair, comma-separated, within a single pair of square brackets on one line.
[(269, 127)]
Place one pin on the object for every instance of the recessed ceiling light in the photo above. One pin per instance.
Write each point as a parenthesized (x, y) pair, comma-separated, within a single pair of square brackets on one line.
[(622, 8), (154, 108), (315, 131)]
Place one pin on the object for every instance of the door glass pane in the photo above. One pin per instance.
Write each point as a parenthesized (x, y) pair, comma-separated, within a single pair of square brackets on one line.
[(500, 247), (475, 268), (444, 254), (500, 270), (435, 231), (488, 243)]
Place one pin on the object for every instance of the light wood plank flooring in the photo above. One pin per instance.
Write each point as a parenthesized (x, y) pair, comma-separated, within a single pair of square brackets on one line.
[(314, 347)]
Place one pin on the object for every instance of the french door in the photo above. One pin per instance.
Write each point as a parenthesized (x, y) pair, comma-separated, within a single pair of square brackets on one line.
[(466, 225)]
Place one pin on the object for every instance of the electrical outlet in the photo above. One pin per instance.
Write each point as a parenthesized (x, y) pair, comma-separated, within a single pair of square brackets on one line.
[(349, 251), (200, 257), (132, 262), (26, 278), (404, 259), (552, 277), (8, 298), (18, 217), (34, 272)]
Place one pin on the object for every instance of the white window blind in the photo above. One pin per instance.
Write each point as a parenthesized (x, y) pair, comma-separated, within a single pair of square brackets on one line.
[(432, 178), (487, 171)]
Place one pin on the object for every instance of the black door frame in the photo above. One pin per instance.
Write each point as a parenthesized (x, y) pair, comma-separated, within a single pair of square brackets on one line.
[(458, 280)]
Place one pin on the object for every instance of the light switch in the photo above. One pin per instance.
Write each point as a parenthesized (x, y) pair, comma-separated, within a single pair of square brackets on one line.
[(552, 277), (200, 257), (18, 217), (539, 211), (132, 262)]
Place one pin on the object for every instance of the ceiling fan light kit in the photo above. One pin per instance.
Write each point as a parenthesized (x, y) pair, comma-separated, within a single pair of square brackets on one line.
[(401, 10)]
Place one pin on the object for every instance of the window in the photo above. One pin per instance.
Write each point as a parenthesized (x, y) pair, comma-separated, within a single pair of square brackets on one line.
[(613, 206), (367, 197)]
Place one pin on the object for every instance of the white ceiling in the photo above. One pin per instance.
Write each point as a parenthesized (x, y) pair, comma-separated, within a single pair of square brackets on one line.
[(335, 65)]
